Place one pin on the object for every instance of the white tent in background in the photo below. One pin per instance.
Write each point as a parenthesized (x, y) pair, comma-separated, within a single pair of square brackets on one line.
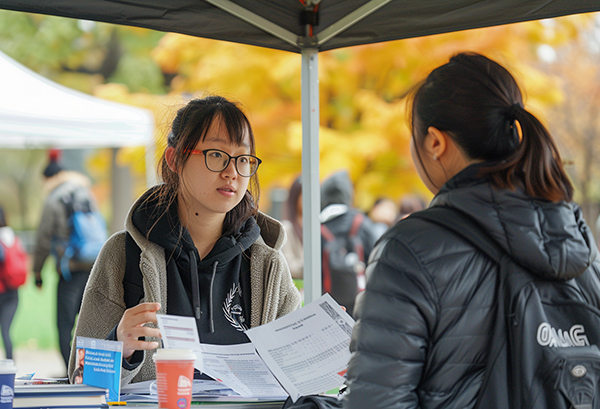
[(38, 113)]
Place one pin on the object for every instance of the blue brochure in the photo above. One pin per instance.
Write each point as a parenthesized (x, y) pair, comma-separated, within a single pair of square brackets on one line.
[(99, 364)]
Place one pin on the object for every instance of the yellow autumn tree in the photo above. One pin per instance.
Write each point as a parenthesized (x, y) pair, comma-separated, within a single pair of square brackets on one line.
[(575, 120), (363, 114)]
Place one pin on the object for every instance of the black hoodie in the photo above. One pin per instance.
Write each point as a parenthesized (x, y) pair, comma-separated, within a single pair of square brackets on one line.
[(215, 290)]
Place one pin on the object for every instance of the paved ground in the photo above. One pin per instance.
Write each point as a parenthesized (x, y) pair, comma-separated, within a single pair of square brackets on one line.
[(45, 363)]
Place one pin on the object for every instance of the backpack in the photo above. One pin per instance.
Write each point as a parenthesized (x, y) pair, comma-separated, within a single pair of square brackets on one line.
[(13, 267), (87, 232), (544, 349), (344, 263)]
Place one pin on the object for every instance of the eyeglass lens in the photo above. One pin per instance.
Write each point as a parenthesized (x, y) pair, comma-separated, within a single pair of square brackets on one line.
[(217, 161)]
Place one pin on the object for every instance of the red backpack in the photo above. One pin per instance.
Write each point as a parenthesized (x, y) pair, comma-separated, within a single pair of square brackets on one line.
[(13, 271)]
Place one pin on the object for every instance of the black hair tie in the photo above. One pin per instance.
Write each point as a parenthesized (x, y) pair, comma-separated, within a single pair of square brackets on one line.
[(171, 139), (513, 111)]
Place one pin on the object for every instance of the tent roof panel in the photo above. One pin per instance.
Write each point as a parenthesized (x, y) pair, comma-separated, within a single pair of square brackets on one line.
[(393, 20), (37, 112)]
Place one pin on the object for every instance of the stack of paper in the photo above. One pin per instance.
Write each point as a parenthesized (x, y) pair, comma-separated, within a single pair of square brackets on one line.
[(202, 390), (59, 396)]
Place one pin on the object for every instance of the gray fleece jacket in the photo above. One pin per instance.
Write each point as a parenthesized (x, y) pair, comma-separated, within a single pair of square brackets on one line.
[(272, 289)]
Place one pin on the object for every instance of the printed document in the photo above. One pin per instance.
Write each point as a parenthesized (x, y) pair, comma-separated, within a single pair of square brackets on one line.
[(306, 352), (237, 366), (180, 333), (308, 349)]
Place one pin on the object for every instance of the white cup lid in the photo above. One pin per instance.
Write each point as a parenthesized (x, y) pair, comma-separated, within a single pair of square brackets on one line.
[(174, 355), (7, 366)]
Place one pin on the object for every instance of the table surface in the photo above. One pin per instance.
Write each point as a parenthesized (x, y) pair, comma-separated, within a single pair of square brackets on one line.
[(220, 405)]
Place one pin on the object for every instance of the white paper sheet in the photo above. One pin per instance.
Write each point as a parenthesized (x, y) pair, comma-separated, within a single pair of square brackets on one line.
[(180, 333), (308, 349), (238, 366)]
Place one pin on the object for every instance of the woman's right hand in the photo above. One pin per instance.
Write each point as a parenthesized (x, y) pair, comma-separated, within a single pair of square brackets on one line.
[(131, 327)]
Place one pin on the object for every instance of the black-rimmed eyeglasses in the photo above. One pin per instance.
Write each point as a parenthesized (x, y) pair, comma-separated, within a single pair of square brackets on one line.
[(217, 161)]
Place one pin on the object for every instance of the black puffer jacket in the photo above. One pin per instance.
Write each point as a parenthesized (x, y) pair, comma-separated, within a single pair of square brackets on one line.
[(423, 324)]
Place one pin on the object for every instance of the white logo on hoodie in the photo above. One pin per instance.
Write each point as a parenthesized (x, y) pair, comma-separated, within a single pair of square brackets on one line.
[(233, 312), (548, 336)]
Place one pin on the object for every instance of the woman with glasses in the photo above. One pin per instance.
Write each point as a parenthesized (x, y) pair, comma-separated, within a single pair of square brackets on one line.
[(195, 245)]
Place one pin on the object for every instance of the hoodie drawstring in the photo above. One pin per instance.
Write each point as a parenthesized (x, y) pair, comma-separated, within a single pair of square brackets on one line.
[(195, 285), (196, 289), (210, 305)]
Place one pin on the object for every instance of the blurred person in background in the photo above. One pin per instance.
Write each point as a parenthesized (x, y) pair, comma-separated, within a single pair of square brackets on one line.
[(292, 222), (13, 273), (409, 203), (52, 238), (347, 238), (383, 213)]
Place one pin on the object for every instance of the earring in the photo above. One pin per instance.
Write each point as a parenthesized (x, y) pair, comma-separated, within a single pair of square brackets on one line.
[(435, 156)]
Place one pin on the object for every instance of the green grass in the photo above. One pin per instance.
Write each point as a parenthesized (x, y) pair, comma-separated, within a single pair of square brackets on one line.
[(34, 325), (300, 286)]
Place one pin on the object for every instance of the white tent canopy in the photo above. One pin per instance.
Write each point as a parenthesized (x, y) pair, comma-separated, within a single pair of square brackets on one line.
[(38, 113)]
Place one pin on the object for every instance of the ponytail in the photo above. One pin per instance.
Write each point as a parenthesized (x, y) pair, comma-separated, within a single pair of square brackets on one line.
[(536, 163), (479, 104)]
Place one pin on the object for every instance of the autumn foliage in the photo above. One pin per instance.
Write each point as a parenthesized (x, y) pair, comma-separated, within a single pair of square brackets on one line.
[(363, 116), (364, 123)]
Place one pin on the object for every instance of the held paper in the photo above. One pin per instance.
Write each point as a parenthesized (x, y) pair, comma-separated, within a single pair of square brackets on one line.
[(308, 349), (237, 366), (180, 333)]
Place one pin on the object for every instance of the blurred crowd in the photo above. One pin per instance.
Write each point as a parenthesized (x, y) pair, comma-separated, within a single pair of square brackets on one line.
[(343, 278)]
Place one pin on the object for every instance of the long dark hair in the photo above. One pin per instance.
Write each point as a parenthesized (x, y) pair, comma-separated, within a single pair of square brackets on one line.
[(479, 104), (189, 127)]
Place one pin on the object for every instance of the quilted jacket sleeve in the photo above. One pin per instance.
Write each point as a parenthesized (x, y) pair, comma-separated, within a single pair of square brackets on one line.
[(390, 339)]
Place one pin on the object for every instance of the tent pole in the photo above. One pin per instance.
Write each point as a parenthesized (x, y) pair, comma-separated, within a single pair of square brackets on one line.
[(311, 197), (121, 193)]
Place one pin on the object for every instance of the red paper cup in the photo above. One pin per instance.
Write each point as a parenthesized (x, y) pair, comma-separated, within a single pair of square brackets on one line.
[(174, 377)]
